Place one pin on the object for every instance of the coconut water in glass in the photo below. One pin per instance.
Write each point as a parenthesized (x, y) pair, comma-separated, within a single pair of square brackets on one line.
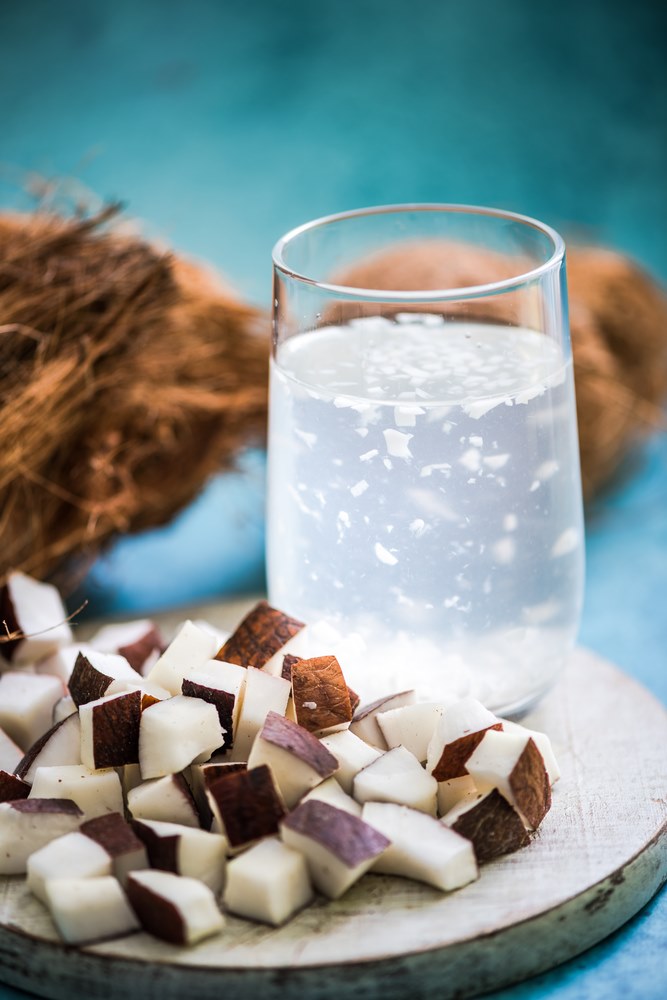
[(424, 496)]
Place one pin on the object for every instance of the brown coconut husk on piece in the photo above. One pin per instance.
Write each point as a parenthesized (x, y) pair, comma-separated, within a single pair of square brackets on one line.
[(127, 378)]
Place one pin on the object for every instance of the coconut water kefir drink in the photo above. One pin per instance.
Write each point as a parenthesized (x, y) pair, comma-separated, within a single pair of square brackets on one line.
[(424, 504)]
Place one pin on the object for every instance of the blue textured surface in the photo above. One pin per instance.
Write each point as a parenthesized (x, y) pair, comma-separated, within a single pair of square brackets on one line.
[(224, 125)]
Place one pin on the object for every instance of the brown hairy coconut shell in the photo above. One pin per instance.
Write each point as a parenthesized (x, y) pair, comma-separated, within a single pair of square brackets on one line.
[(127, 377)]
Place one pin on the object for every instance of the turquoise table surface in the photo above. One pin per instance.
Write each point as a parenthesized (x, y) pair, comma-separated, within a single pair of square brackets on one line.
[(222, 125)]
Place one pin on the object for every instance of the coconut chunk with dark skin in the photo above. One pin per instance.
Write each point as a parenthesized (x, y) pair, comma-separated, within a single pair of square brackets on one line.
[(320, 695), (26, 705), (113, 833), (96, 674), (168, 799), (184, 850), (246, 806), (224, 702), (459, 731), (110, 730), (135, 640), (26, 825), (263, 632), (200, 776), (297, 759), (490, 822), (512, 763), (175, 908), (60, 745), (364, 723), (35, 614), (289, 659), (89, 909), (176, 733), (338, 846), (95, 792), (188, 651), (12, 788)]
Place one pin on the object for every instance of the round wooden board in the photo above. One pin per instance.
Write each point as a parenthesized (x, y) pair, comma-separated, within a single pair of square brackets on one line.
[(600, 855)]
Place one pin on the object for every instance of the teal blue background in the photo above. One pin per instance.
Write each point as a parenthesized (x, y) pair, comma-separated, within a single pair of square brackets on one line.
[(222, 125)]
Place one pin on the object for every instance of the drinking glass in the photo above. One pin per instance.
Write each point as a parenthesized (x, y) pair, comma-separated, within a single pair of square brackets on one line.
[(424, 494)]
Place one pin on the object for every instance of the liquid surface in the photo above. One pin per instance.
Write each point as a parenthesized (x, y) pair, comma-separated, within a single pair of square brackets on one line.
[(425, 505)]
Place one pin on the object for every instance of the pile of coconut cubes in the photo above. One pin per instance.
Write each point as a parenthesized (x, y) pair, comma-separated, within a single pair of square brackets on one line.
[(151, 786)]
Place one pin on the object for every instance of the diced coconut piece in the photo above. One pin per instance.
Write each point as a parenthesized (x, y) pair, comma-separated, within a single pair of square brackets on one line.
[(269, 883), (289, 660), (365, 724), (175, 733), (460, 729), (63, 708), (453, 791), (297, 759), (69, 856), (60, 745), (28, 824), (352, 754), (330, 791), (411, 726), (188, 651), (112, 833), (10, 753), (221, 635), (320, 695), (89, 909), (246, 806), (263, 694), (543, 744), (490, 822), (173, 847), (222, 685), (168, 799), (26, 705), (200, 776), (61, 662), (397, 776), (421, 847), (12, 788), (110, 730), (36, 611), (512, 763), (263, 633), (135, 640), (130, 777), (174, 908), (95, 792), (96, 674), (339, 848)]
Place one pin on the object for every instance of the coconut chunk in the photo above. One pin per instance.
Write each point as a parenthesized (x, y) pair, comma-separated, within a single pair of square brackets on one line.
[(490, 822), (89, 909), (200, 776), (36, 611), (263, 694), (223, 688), (69, 856), (543, 744), (175, 908), (512, 763), (268, 883), (110, 730), (60, 745), (259, 637), (10, 752), (12, 788), (112, 833), (168, 799), (338, 847), (96, 674), (330, 791), (411, 726), (95, 792), (297, 759), (320, 695), (352, 754), (176, 732), (191, 648), (365, 724), (421, 847), (137, 641), (173, 847), (26, 825), (460, 729), (246, 806), (26, 705), (453, 791), (397, 776)]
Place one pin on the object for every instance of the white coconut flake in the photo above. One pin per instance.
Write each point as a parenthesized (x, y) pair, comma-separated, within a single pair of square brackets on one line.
[(565, 543), (479, 407), (344, 518), (495, 462), (368, 455), (504, 550), (361, 431), (359, 488), (406, 416), (417, 527), (528, 394), (547, 469), (427, 470), (476, 441), (535, 485), (384, 555), (398, 443)]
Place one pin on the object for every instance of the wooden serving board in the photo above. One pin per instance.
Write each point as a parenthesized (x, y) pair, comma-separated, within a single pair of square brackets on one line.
[(600, 855)]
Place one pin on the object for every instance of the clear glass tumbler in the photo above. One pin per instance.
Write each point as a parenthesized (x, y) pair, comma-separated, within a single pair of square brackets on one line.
[(424, 496)]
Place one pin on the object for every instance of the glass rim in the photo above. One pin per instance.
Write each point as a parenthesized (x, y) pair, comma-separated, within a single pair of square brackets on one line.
[(423, 295)]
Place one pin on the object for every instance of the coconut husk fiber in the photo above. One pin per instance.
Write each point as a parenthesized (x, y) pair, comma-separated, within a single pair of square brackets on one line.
[(129, 376)]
